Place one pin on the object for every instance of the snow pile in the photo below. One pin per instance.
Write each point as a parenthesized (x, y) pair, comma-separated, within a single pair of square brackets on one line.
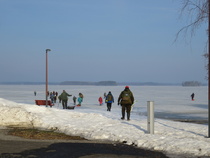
[(172, 138)]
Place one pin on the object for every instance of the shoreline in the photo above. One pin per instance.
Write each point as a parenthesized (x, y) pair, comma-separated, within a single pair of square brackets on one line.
[(181, 117), (203, 122)]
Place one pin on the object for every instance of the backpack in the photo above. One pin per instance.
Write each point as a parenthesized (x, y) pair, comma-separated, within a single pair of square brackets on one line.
[(126, 98), (109, 97)]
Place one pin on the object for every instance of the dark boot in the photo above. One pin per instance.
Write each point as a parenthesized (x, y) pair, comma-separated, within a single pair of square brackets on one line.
[(128, 116), (123, 115)]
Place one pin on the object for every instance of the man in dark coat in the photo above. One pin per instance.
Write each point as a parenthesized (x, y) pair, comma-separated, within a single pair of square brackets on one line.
[(192, 96), (64, 98), (126, 100)]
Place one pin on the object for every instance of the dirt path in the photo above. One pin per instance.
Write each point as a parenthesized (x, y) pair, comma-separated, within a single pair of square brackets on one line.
[(17, 147)]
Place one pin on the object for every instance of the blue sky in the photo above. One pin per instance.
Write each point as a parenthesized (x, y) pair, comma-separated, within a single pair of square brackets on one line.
[(98, 40)]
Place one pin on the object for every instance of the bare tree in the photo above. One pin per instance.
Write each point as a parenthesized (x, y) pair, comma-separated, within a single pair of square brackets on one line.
[(197, 14)]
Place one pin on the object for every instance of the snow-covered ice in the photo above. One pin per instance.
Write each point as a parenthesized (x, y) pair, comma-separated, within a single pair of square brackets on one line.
[(92, 121)]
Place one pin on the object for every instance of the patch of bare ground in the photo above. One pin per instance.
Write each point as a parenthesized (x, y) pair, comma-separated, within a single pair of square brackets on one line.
[(41, 134)]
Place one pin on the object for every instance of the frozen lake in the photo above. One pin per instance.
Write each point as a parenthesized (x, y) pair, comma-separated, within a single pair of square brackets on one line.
[(171, 102)]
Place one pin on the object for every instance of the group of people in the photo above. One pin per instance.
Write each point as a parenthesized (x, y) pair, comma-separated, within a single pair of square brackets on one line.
[(53, 96), (109, 99), (63, 98), (125, 99)]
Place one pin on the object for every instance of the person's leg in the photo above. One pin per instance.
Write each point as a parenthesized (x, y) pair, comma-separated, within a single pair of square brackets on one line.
[(128, 110), (63, 104), (110, 106), (123, 112)]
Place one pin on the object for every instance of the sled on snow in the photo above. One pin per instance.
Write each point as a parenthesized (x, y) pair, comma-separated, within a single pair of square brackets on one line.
[(43, 102), (71, 107)]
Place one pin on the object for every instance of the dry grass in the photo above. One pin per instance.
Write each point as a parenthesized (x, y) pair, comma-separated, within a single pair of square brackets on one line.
[(41, 135)]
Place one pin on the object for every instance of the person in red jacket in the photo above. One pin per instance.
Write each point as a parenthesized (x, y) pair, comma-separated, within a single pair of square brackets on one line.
[(100, 100)]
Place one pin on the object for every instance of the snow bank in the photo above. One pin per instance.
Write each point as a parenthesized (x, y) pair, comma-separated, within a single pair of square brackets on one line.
[(172, 138)]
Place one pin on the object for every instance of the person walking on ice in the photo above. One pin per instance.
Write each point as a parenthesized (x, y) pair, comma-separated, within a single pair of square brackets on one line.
[(192, 96), (80, 99), (109, 101), (64, 98), (126, 100), (100, 100), (74, 100)]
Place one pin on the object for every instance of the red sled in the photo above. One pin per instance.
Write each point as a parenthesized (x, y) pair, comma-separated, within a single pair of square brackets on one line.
[(43, 102)]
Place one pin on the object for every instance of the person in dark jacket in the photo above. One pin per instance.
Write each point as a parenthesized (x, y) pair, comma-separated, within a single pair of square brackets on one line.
[(64, 98), (109, 100), (192, 96), (126, 100)]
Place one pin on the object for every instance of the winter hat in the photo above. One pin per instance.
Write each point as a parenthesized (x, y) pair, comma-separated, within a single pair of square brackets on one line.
[(127, 87)]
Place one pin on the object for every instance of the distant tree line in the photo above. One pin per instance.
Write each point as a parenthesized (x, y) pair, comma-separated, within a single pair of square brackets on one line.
[(191, 83), (106, 83), (101, 83)]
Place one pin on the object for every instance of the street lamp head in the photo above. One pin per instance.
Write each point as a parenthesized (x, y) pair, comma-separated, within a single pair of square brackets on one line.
[(47, 50)]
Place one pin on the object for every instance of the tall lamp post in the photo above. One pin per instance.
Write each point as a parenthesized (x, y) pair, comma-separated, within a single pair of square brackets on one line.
[(47, 50), (209, 70)]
